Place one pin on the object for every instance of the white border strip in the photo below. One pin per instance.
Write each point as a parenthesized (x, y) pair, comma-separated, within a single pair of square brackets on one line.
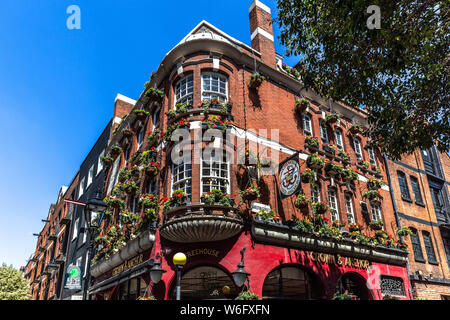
[(262, 32), (260, 5)]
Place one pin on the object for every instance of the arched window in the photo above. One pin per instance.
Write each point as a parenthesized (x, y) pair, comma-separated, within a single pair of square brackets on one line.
[(291, 282), (354, 285), (205, 283)]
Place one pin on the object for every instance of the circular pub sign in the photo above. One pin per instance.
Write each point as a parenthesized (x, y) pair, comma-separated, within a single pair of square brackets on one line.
[(289, 177)]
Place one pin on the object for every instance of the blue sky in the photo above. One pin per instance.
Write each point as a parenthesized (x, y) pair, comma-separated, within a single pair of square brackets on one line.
[(58, 88)]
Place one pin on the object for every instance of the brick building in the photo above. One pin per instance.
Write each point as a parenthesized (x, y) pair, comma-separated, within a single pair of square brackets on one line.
[(205, 82), (45, 269), (420, 183)]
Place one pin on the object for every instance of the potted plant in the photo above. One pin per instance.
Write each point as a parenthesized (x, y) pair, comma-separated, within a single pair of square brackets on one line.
[(339, 225), (127, 132), (130, 187), (301, 201), (123, 174), (152, 168), (371, 195), (403, 232), (256, 80), (308, 176), (364, 165), (107, 161), (312, 142), (152, 138), (342, 296), (349, 175), (305, 225), (115, 151), (214, 122), (376, 225), (141, 114), (355, 128), (216, 196), (374, 184), (345, 158), (329, 148), (333, 169), (381, 235), (332, 117), (149, 201), (251, 193), (247, 295), (315, 162), (353, 227), (114, 202), (154, 94), (171, 114), (319, 207), (264, 215), (301, 105)]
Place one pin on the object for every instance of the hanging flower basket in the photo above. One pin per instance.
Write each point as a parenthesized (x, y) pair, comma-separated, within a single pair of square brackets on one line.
[(349, 175), (371, 195), (319, 207), (141, 114), (308, 176), (329, 149), (331, 118), (154, 94), (312, 142), (314, 162), (376, 225), (251, 193), (127, 132), (345, 158), (301, 105), (107, 161), (301, 201), (256, 80), (374, 184), (404, 232), (152, 169), (353, 227), (355, 128), (115, 151)]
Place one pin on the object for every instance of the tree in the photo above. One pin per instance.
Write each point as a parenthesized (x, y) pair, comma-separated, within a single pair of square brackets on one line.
[(13, 286), (398, 72)]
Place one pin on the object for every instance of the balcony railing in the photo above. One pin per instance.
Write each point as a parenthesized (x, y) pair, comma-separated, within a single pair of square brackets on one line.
[(198, 222)]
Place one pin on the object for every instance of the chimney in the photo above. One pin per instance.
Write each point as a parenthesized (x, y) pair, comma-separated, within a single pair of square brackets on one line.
[(262, 32)]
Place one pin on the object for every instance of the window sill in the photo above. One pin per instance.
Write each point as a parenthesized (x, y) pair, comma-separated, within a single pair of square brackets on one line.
[(433, 262), (406, 199), (420, 204), (419, 260)]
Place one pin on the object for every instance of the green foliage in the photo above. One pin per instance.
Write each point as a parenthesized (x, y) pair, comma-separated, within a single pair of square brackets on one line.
[(13, 286), (398, 72), (247, 295)]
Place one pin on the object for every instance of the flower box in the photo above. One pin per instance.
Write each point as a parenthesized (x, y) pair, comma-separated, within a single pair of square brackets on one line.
[(355, 128)]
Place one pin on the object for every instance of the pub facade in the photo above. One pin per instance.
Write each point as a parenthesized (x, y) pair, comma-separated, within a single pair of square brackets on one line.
[(267, 173)]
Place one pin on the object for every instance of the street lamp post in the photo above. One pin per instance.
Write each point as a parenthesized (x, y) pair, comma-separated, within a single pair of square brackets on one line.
[(179, 260), (156, 271), (240, 275), (94, 204)]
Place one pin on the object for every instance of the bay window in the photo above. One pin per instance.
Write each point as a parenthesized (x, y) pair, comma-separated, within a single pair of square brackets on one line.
[(182, 178), (214, 173)]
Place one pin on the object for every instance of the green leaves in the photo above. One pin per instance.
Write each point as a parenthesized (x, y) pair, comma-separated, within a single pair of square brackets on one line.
[(399, 72), (13, 286)]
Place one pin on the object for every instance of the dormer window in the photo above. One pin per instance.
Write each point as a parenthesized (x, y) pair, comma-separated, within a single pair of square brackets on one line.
[(214, 85)]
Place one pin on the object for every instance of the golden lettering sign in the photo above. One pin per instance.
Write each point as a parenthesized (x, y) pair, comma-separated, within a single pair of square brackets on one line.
[(128, 264), (338, 260), (209, 252)]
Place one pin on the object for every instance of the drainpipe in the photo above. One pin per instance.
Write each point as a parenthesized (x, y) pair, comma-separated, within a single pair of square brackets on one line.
[(397, 220)]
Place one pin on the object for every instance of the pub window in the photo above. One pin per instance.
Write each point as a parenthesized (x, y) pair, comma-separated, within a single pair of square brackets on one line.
[(417, 248), (375, 211), (403, 186), (307, 128), (140, 137), (416, 190), (349, 208), (372, 159), (334, 210), (182, 177), (156, 118), (214, 173), (429, 247)]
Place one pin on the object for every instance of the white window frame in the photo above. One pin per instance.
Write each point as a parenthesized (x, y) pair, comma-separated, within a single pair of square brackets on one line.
[(334, 208), (152, 187), (156, 117), (323, 132), (114, 176), (358, 150), (349, 208), (306, 118), (140, 138), (339, 140), (81, 189), (79, 261), (375, 211), (209, 94), (90, 176), (189, 179), (189, 96), (100, 162), (372, 158), (75, 229), (315, 193), (227, 179)]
